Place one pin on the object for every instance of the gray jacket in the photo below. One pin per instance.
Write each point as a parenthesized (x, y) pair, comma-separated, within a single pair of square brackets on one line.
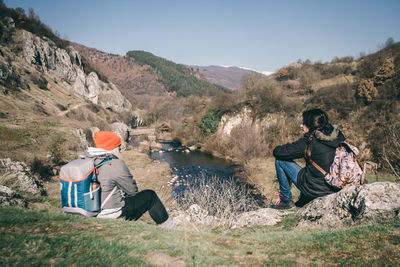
[(114, 174)]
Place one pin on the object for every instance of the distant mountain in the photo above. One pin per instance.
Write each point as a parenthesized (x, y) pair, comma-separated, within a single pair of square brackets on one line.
[(230, 77), (176, 77)]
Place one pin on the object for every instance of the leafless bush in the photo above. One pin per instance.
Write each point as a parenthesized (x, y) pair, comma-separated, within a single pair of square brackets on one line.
[(391, 150), (247, 142), (220, 199)]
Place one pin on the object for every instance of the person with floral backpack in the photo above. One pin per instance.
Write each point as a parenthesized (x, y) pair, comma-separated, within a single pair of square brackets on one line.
[(318, 146)]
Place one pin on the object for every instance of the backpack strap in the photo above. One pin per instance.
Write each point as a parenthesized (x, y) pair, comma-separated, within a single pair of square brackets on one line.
[(96, 172), (108, 197), (318, 167), (96, 166)]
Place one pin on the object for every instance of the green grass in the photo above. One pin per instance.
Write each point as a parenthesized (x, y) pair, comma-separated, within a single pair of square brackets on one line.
[(43, 238)]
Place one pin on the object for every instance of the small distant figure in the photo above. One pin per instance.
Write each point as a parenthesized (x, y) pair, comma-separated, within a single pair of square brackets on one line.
[(319, 144), (128, 136)]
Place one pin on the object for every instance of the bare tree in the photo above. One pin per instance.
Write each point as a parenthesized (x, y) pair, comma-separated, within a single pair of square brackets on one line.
[(391, 151)]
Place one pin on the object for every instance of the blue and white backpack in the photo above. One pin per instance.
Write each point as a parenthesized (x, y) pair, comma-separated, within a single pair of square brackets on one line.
[(77, 196)]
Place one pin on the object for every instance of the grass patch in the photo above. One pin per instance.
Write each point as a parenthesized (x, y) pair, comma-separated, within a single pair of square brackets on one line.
[(46, 238)]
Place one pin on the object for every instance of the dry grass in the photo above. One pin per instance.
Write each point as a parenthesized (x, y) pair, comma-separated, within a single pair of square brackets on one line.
[(261, 173), (219, 201), (150, 175), (349, 79)]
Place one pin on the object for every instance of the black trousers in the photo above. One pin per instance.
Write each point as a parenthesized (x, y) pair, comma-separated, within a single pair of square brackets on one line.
[(146, 200)]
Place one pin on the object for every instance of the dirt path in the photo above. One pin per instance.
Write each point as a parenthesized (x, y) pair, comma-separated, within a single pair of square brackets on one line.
[(62, 113)]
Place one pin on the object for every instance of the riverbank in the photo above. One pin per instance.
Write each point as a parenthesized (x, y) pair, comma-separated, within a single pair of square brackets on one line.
[(258, 173)]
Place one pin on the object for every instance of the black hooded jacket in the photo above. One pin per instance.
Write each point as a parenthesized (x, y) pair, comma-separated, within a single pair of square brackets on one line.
[(310, 181)]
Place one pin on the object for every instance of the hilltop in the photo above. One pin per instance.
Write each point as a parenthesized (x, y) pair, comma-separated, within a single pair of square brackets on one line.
[(229, 77), (176, 77)]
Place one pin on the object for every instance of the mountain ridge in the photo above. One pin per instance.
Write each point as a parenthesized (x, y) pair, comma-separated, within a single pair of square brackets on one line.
[(227, 76)]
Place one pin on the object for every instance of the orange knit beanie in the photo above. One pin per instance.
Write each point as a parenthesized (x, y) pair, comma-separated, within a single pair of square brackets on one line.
[(106, 140)]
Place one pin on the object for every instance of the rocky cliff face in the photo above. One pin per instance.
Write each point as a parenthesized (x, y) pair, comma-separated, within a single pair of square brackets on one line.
[(67, 67), (123, 71), (245, 117)]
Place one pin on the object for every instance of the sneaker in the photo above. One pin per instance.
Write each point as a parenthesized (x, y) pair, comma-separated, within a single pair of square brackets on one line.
[(301, 202), (283, 203), (168, 224)]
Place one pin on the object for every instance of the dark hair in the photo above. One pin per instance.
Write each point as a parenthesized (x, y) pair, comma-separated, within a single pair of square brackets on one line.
[(314, 119)]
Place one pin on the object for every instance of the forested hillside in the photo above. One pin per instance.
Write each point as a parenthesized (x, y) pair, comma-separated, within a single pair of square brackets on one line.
[(176, 77)]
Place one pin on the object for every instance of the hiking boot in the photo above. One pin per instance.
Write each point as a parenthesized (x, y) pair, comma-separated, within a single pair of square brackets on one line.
[(301, 202), (283, 203)]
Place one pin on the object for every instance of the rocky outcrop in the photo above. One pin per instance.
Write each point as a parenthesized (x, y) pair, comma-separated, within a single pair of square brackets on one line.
[(351, 205), (67, 67), (82, 137), (18, 176), (121, 130), (9, 197), (228, 122), (245, 117), (265, 216)]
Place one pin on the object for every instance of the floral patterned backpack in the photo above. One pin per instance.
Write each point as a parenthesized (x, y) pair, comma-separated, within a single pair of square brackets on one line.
[(346, 169)]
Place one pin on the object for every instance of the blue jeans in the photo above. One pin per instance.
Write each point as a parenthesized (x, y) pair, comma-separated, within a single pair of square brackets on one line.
[(286, 171)]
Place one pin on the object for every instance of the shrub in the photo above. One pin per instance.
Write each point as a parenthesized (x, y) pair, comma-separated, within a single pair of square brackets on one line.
[(264, 96), (224, 199), (57, 150), (328, 100), (41, 82), (42, 169), (307, 78), (246, 142), (61, 107), (282, 74), (366, 91), (10, 78), (210, 121)]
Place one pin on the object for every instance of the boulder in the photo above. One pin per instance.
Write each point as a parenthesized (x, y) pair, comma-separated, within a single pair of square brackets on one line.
[(264, 216), (20, 176), (197, 215), (379, 200), (82, 137), (121, 130), (9, 197)]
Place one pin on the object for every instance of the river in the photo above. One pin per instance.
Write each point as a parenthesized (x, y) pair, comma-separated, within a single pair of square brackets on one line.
[(190, 166)]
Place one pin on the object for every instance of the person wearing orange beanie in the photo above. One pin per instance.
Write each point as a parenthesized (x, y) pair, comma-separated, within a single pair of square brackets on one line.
[(119, 191)]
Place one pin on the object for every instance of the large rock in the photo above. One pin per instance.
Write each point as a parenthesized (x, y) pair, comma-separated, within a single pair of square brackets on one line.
[(121, 130), (9, 197), (265, 216), (351, 205), (82, 137), (20, 176)]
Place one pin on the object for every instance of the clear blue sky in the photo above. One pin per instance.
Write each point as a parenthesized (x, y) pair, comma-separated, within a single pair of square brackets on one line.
[(262, 35)]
